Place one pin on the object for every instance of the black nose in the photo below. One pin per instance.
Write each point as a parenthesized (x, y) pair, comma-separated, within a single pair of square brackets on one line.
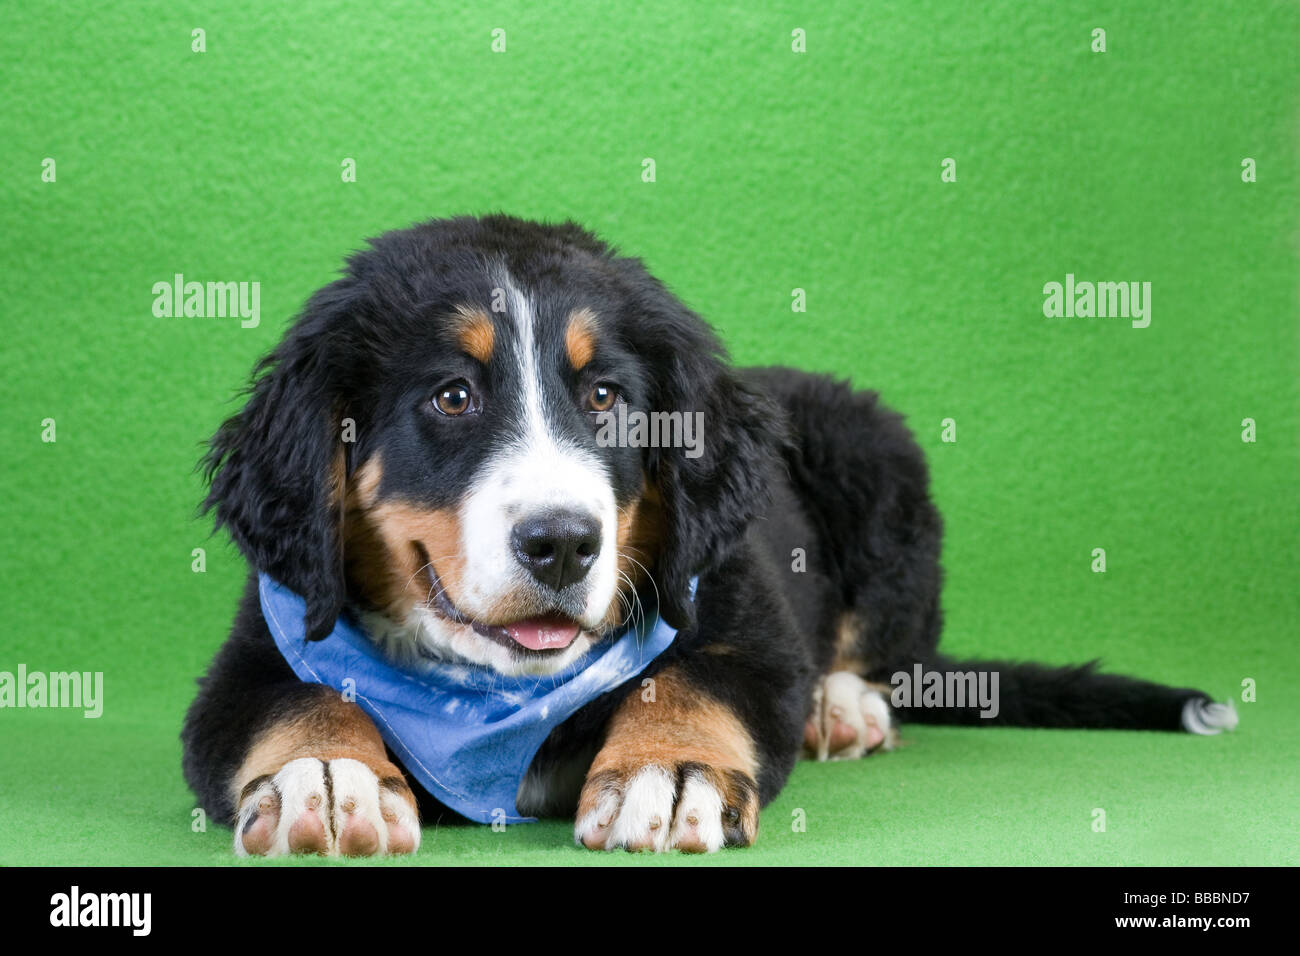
[(558, 548)]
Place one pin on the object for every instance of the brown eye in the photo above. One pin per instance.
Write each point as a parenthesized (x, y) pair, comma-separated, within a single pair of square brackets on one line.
[(602, 397), (454, 399)]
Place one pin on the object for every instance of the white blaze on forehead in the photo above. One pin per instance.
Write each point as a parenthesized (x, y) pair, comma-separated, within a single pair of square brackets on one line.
[(537, 471), (521, 310)]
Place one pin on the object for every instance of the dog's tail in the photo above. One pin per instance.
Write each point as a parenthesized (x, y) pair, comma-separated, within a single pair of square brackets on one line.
[(1012, 694)]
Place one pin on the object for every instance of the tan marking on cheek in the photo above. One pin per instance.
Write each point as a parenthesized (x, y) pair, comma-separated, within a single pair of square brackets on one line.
[(476, 333), (383, 565), (438, 534), (330, 729), (580, 338)]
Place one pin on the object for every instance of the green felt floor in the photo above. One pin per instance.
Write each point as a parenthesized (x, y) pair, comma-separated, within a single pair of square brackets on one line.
[(775, 171), (951, 796)]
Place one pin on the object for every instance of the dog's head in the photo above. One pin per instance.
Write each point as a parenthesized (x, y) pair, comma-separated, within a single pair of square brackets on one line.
[(457, 436)]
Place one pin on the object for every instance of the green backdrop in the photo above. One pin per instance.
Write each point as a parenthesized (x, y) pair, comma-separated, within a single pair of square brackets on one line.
[(774, 171)]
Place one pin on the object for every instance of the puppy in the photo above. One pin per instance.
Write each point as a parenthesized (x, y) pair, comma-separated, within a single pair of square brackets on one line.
[(524, 544)]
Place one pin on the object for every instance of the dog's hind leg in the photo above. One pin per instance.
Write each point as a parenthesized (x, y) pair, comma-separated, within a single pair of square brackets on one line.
[(850, 718)]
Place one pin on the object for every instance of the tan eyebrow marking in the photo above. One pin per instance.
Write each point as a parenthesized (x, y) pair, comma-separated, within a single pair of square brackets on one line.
[(580, 337), (475, 332)]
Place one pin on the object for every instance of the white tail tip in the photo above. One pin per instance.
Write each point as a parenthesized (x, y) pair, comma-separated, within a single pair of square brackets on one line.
[(1202, 716)]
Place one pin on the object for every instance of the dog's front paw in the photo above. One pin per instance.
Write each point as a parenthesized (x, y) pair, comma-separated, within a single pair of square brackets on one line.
[(685, 806), (331, 808)]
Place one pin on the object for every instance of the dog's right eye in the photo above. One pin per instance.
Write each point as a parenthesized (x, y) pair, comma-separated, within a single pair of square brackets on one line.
[(454, 399)]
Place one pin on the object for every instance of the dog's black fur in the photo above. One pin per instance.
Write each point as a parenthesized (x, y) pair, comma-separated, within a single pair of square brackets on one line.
[(792, 460)]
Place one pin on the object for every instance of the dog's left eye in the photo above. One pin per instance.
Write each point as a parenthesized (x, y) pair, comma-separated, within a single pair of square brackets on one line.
[(602, 397), (454, 399)]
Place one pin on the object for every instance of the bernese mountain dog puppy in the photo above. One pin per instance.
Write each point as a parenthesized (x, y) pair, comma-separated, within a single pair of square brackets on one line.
[(475, 586)]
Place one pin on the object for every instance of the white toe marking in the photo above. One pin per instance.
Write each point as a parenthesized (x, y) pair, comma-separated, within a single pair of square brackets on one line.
[(647, 801), (874, 707), (700, 809), (589, 825), (356, 789), (301, 784), (247, 810), (403, 815)]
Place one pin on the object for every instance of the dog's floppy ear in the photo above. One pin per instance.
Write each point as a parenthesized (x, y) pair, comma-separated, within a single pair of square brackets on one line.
[(709, 496), (276, 469)]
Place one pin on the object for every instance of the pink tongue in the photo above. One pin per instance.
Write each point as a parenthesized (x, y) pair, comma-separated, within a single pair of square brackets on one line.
[(543, 633)]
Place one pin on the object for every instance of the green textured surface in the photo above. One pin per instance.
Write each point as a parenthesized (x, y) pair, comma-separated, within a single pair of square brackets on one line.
[(774, 171)]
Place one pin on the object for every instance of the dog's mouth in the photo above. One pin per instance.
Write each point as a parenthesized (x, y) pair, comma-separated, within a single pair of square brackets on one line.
[(539, 635)]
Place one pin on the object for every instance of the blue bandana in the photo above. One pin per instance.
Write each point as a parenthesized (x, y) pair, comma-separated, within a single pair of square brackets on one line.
[(467, 734)]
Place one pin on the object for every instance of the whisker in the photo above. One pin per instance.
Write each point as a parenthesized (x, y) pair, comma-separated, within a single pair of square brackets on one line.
[(640, 606), (650, 577)]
